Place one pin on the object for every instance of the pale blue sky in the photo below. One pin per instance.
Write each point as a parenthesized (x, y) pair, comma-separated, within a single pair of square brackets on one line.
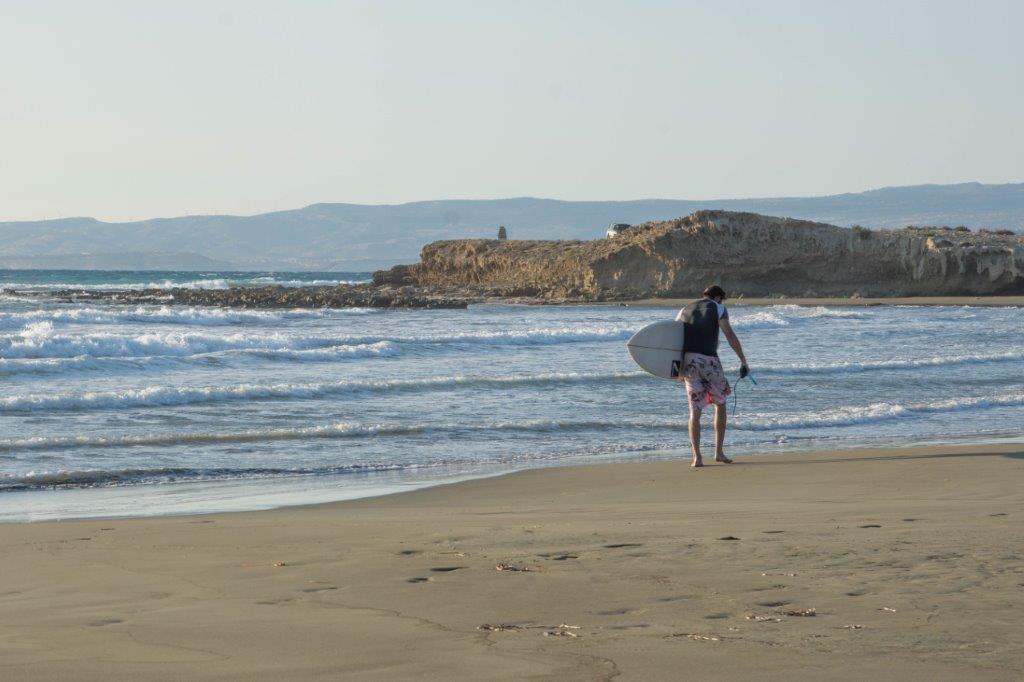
[(133, 109)]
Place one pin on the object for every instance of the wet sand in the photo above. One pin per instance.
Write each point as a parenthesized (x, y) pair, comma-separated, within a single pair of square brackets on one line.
[(882, 564)]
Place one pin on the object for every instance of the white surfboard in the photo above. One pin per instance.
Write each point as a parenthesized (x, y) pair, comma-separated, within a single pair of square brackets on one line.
[(658, 349)]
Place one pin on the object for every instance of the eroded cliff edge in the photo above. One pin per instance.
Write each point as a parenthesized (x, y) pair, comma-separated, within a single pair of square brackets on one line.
[(746, 253)]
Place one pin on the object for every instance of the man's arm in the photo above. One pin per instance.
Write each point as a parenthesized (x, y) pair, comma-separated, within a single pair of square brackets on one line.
[(731, 337)]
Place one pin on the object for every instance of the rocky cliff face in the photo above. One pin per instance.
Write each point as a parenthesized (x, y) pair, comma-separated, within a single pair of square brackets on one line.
[(746, 253)]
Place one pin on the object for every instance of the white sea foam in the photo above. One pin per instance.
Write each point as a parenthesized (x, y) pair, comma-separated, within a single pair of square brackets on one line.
[(833, 417), (153, 396), (41, 340), (197, 316), (851, 367), (875, 413), (784, 315), (200, 283)]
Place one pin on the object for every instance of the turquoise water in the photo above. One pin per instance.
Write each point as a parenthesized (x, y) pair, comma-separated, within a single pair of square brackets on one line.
[(149, 409)]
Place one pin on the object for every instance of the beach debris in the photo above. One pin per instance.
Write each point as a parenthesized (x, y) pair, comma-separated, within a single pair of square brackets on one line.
[(886, 608), (504, 566), (279, 564), (853, 627), (728, 537), (788, 575), (802, 613), (562, 630), (762, 619), (499, 627), (697, 637)]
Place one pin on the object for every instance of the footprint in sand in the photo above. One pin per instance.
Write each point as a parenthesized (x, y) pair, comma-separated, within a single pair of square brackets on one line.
[(772, 532), (558, 557), (855, 593), (105, 621), (446, 569), (620, 545), (728, 537), (871, 525), (417, 580), (408, 552), (613, 612), (772, 604), (999, 514), (317, 589)]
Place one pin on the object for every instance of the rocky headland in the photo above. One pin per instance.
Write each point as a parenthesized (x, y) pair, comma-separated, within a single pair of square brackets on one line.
[(750, 255)]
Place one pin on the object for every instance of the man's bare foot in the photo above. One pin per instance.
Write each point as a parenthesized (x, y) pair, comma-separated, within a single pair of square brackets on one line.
[(698, 462), (722, 458)]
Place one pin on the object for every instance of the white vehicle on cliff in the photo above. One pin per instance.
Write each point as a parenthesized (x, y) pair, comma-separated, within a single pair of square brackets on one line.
[(615, 229)]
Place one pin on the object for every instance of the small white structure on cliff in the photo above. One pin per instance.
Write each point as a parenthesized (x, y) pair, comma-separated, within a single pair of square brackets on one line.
[(615, 229)]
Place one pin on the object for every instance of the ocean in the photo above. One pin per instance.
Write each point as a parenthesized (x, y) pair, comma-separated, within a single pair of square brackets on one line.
[(112, 410)]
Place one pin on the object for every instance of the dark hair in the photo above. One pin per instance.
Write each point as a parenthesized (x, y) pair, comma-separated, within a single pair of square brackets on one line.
[(715, 291)]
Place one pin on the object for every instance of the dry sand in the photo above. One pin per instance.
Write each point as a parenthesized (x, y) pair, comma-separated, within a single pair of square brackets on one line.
[(911, 560)]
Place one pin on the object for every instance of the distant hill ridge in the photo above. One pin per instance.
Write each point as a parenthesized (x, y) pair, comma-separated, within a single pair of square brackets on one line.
[(352, 237)]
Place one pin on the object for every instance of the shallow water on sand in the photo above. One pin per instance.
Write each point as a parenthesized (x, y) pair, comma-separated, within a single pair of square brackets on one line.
[(135, 409)]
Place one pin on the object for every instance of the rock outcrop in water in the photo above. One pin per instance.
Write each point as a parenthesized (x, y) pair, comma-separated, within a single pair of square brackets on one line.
[(340, 296), (746, 253)]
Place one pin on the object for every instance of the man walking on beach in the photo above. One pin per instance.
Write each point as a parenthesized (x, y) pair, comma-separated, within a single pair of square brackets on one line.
[(705, 380)]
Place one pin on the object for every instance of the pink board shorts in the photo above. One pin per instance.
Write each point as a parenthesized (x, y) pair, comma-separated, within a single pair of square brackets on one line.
[(705, 381)]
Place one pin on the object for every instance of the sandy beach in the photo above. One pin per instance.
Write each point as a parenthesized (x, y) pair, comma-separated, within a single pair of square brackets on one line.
[(986, 301), (888, 564)]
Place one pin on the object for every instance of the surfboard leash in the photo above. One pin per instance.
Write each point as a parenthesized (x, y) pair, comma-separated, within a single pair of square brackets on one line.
[(736, 393)]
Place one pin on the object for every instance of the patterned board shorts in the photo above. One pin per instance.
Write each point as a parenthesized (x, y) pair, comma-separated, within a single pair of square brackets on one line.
[(705, 381)]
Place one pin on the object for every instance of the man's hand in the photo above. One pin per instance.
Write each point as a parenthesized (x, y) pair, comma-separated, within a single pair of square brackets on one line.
[(744, 371)]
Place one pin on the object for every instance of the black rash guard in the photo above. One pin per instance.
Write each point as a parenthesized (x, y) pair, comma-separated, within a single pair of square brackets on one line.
[(700, 320)]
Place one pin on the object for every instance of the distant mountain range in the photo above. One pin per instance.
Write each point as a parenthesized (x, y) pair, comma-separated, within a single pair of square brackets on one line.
[(354, 237)]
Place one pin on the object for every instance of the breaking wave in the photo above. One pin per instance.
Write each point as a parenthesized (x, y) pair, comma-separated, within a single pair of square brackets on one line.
[(154, 396), (853, 367), (198, 316), (40, 340), (840, 416)]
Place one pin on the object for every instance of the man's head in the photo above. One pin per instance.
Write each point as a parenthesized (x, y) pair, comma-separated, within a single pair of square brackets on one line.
[(715, 293)]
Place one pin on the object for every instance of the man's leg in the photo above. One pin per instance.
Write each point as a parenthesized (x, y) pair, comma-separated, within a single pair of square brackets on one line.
[(720, 421), (695, 437)]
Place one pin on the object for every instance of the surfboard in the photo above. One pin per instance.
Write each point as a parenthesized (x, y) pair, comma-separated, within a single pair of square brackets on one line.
[(658, 349)]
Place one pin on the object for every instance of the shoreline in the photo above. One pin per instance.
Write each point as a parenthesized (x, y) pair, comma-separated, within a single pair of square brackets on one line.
[(287, 490), (903, 557), (988, 301)]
